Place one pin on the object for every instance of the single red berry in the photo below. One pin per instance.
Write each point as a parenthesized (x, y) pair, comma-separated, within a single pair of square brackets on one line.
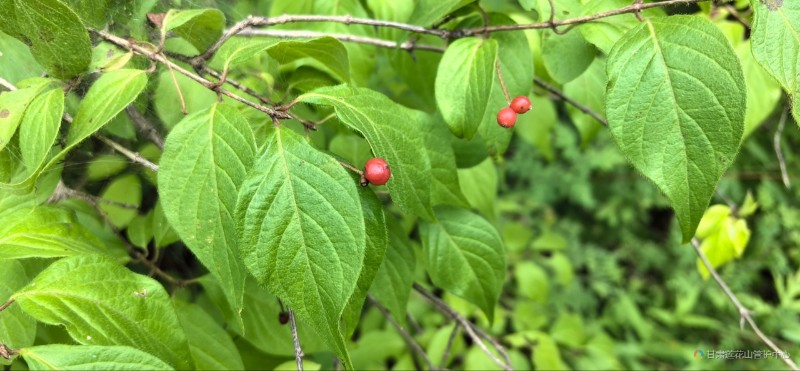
[(521, 104), (506, 117), (283, 317), (377, 171)]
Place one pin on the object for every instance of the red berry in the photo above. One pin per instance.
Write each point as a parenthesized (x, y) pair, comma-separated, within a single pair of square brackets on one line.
[(377, 171), (506, 117), (521, 104)]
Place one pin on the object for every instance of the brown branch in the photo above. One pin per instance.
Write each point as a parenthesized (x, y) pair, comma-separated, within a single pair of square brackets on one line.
[(409, 46), (6, 304), (571, 101), (473, 331), (298, 351), (237, 85), (157, 57), (403, 332), (573, 21), (133, 156), (7, 352), (242, 28), (744, 313), (257, 21), (63, 192), (144, 126)]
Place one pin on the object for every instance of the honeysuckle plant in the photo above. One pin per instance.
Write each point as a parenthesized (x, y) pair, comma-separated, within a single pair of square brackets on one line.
[(308, 156)]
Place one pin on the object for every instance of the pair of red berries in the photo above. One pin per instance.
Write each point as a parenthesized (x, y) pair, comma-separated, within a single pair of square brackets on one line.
[(376, 171), (507, 116)]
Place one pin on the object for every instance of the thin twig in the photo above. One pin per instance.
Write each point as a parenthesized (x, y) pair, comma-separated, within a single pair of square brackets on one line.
[(144, 126), (6, 84), (157, 57), (474, 332), (403, 332), (343, 37), (256, 21), (735, 13), (133, 156), (298, 351), (571, 101), (350, 167), (63, 192), (242, 28), (177, 87), (776, 141), (449, 347), (238, 85), (7, 352), (6, 304), (552, 20), (744, 313), (573, 21), (502, 81)]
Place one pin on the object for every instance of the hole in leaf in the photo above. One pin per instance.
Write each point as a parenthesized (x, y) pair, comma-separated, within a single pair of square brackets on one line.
[(4, 113)]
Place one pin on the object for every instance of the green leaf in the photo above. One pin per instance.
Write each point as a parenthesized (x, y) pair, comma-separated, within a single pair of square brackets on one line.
[(16, 60), (547, 356), (109, 95), (465, 256), (362, 57), (588, 89), (395, 134), (125, 190), (211, 347), (377, 239), (302, 231), (102, 303), (39, 128), (12, 109), (429, 12), (206, 158), (566, 56), (58, 39), (675, 101), (712, 220), (324, 53), (45, 232), (140, 230), (163, 233), (90, 357), (726, 242), (464, 83), (8, 19), (17, 329), (106, 166), (763, 91), (94, 13), (329, 53), (604, 32), (775, 40), (167, 101), (479, 185), (200, 27), (351, 148), (445, 187), (392, 284), (537, 129)]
